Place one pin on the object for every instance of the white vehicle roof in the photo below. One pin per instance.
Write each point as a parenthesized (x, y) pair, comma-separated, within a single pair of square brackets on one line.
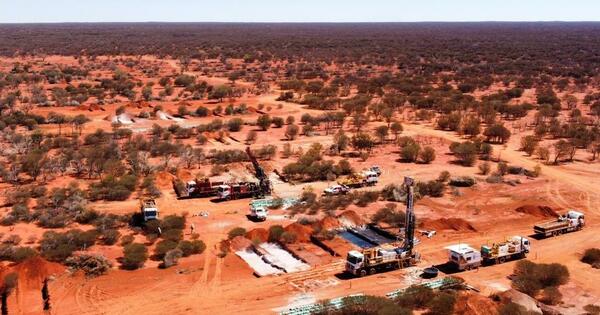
[(355, 253), (573, 213), (460, 248)]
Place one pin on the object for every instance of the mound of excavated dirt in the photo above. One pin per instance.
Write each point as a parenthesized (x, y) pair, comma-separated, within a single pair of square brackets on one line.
[(33, 271), (328, 223), (349, 218), (469, 303), (538, 211), (184, 175), (302, 232), (259, 234), (164, 179), (240, 243), (455, 224)]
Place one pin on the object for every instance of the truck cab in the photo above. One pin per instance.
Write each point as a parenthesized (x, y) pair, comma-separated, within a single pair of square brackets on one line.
[(463, 257), (371, 178), (224, 191), (259, 213), (575, 218), (355, 262), (376, 169)]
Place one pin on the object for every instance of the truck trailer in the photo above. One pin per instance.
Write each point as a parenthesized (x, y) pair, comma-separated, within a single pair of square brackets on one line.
[(238, 191), (465, 257), (571, 221)]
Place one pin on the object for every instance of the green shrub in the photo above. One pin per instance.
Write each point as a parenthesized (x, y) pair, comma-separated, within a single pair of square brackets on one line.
[(530, 277), (134, 256), (238, 231), (591, 256), (275, 232), (163, 247), (92, 265)]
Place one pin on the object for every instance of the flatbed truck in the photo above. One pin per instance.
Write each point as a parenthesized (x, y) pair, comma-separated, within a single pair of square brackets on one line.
[(571, 221)]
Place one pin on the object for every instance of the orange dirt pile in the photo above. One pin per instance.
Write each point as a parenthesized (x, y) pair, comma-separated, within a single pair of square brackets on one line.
[(350, 216), (164, 180), (455, 224), (538, 211), (469, 303), (33, 271), (184, 175), (302, 232), (328, 223), (258, 234), (240, 243)]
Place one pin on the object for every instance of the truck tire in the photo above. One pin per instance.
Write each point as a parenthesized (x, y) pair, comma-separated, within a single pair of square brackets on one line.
[(372, 271), (362, 273), (502, 260), (554, 233)]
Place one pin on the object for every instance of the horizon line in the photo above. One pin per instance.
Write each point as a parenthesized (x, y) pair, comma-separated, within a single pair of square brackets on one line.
[(301, 22)]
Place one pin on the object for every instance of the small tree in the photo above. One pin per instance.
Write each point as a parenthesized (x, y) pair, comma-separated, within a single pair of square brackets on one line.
[(134, 256), (291, 131), (264, 122), (382, 133), (396, 129), (251, 136), (427, 155), (529, 144)]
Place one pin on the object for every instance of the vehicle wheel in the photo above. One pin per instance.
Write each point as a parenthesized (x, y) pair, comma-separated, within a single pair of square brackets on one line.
[(555, 233), (362, 273), (502, 260), (372, 271), (468, 267)]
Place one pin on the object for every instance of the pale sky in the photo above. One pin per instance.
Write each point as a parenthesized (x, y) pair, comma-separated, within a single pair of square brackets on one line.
[(39, 11)]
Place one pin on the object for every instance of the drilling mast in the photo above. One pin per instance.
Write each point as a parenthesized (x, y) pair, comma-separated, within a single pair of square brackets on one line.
[(264, 182), (409, 227)]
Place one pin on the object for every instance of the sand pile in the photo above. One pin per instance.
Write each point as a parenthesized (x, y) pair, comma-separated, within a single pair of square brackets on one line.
[(33, 271), (349, 218), (260, 234), (538, 211), (164, 179), (240, 243), (474, 304), (165, 116), (455, 224), (124, 119), (302, 232)]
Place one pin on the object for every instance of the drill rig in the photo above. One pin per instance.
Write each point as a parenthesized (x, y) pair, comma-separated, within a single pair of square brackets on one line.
[(387, 256), (264, 183)]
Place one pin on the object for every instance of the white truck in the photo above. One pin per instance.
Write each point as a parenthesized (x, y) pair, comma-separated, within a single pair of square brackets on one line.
[(571, 221), (336, 190), (149, 209), (464, 257)]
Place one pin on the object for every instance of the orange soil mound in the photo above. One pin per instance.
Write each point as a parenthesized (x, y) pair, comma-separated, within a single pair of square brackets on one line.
[(184, 175), (538, 211), (164, 179), (240, 243), (455, 224), (33, 271), (328, 223), (474, 304), (302, 232), (258, 234), (351, 217)]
